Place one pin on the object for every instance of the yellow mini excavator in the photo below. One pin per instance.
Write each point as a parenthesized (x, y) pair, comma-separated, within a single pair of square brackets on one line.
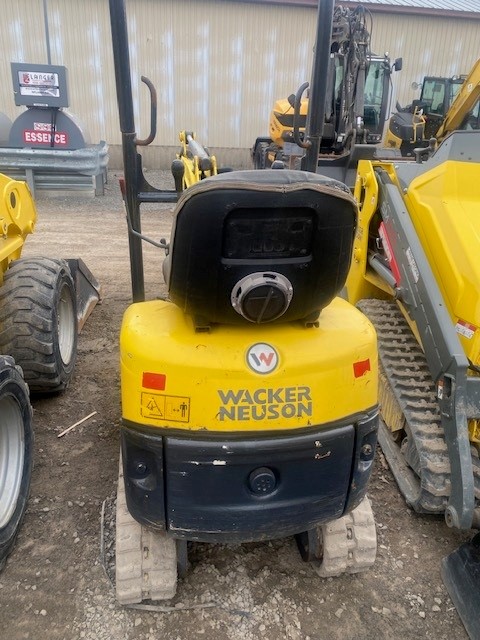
[(249, 394), (43, 304)]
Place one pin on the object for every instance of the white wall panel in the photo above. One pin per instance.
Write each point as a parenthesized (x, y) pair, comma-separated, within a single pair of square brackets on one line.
[(428, 46), (218, 65)]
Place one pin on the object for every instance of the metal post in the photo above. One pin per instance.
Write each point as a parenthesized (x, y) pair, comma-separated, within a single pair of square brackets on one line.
[(318, 85), (131, 167), (47, 33)]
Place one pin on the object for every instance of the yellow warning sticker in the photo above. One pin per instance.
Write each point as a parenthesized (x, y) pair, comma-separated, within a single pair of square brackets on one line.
[(161, 407)]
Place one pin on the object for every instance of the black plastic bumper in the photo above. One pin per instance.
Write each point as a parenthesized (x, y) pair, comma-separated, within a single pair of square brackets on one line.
[(240, 489)]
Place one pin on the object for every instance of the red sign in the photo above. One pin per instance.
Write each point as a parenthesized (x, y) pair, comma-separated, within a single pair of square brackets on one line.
[(60, 138)]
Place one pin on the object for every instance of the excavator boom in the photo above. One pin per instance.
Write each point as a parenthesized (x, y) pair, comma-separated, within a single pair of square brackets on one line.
[(344, 113)]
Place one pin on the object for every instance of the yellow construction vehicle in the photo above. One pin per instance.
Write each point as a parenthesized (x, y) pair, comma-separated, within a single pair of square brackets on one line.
[(358, 93), (445, 104), (415, 274), (249, 394), (194, 162), (43, 303)]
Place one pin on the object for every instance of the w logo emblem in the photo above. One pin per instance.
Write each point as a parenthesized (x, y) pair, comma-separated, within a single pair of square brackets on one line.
[(262, 358)]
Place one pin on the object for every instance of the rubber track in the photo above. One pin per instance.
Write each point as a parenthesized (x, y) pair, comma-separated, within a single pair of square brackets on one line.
[(349, 543), (405, 366), (145, 560)]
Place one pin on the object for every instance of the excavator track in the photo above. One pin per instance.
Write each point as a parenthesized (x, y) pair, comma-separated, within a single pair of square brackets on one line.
[(145, 560), (420, 464), (348, 544)]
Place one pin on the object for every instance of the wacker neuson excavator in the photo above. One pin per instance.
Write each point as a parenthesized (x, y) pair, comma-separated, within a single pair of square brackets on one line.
[(249, 394)]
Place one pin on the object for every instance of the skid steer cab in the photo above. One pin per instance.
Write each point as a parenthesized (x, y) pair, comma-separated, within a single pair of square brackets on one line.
[(249, 396)]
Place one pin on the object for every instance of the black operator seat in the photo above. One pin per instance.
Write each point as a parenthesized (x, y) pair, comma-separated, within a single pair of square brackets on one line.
[(260, 246)]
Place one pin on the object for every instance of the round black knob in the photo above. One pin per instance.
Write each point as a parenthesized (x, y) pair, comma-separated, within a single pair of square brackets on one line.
[(262, 481)]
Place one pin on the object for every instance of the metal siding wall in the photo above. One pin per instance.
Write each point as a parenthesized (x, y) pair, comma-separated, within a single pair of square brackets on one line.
[(80, 40), (20, 18), (218, 66), (438, 46)]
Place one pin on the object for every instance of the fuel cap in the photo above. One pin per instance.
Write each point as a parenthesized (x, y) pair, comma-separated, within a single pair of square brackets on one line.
[(262, 297)]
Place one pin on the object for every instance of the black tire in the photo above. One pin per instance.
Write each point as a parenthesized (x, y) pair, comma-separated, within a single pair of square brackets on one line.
[(260, 156), (16, 453), (38, 321)]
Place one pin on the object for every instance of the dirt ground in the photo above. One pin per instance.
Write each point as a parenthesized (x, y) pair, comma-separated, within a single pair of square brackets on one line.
[(54, 585)]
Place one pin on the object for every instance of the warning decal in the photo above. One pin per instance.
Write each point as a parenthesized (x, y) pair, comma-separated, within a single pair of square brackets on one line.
[(170, 408), (465, 329)]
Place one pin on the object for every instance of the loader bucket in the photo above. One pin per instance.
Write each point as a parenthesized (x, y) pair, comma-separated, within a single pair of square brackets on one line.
[(461, 575), (87, 289)]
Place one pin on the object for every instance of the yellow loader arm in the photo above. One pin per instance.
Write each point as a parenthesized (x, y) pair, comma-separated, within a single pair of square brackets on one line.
[(17, 219), (463, 104), (196, 159)]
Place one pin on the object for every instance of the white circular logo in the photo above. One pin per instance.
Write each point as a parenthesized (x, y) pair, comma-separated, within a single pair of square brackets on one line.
[(262, 358)]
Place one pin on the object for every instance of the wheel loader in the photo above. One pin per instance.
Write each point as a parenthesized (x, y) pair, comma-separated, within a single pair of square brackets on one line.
[(43, 304), (415, 274), (249, 392)]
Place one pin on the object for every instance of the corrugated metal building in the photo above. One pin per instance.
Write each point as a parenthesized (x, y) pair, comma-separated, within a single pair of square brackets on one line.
[(218, 65)]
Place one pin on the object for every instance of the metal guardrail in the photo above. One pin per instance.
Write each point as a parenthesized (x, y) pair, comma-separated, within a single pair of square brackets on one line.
[(57, 169)]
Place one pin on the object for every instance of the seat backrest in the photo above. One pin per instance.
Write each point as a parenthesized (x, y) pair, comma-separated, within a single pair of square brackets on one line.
[(260, 246)]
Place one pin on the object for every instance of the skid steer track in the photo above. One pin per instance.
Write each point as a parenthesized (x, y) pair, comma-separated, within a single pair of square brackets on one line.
[(420, 464)]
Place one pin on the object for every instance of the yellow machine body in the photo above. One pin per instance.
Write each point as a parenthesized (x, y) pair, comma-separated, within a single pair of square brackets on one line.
[(171, 378), (444, 209), (17, 220), (443, 206), (281, 120), (197, 162), (364, 282)]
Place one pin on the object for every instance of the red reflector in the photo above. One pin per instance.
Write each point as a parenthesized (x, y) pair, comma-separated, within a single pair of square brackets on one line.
[(154, 381), (359, 368), (387, 246)]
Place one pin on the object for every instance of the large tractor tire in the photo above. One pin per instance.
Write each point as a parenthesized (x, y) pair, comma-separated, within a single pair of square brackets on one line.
[(38, 321), (16, 452), (260, 156)]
